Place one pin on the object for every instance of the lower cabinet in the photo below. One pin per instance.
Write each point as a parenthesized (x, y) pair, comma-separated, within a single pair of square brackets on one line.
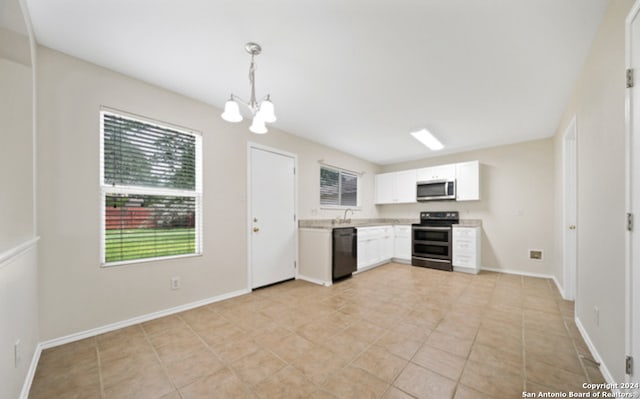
[(466, 249), (368, 247), (402, 245), (380, 244)]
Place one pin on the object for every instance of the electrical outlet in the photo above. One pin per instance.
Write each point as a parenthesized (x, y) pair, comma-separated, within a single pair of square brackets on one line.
[(17, 355), (175, 283), (596, 316)]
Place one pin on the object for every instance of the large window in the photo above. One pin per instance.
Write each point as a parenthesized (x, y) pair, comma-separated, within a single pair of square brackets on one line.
[(151, 179), (338, 188)]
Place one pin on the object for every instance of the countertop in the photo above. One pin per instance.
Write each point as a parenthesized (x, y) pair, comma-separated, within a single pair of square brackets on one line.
[(329, 224), (469, 223)]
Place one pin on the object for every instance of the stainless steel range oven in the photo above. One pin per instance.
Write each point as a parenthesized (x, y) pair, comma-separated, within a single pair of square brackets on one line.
[(431, 240)]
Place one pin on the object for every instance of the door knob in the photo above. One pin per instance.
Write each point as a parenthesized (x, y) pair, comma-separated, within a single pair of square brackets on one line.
[(572, 227), (256, 229)]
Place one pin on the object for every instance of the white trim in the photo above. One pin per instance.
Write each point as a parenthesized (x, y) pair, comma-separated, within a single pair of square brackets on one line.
[(372, 266), (528, 274), (145, 260), (7, 256), (314, 280), (630, 278), (107, 189), (358, 176), (338, 168), (26, 387), (104, 109), (561, 289), (569, 269), (250, 145), (31, 372), (518, 272), (138, 319), (594, 352)]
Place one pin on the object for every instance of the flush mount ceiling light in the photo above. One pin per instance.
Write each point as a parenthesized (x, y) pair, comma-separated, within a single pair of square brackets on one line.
[(261, 111), (428, 139)]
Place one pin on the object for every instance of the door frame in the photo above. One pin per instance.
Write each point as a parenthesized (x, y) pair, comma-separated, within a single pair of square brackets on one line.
[(250, 146), (632, 297), (569, 209)]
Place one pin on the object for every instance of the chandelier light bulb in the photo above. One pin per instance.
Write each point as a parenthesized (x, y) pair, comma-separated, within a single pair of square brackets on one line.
[(258, 126), (267, 111), (231, 112)]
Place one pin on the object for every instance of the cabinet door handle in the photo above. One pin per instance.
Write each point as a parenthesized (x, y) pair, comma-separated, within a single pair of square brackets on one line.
[(256, 229)]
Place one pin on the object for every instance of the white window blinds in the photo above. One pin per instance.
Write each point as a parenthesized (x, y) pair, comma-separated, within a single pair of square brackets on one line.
[(338, 188), (151, 190)]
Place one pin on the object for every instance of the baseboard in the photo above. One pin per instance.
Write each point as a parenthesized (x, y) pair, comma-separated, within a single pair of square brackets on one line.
[(314, 280), (560, 289), (28, 381), (594, 352), (139, 319), (403, 261), (373, 266), (518, 272)]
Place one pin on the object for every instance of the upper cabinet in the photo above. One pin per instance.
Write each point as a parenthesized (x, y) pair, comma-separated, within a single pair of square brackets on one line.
[(400, 187), (440, 172), (396, 187), (468, 181)]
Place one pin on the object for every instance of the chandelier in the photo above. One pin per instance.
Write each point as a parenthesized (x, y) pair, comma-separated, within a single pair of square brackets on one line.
[(261, 111)]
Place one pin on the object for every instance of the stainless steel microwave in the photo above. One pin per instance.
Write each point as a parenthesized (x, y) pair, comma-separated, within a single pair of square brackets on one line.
[(436, 190)]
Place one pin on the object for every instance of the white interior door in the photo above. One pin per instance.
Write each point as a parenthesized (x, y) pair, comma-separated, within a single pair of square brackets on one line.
[(633, 193), (569, 211), (272, 217)]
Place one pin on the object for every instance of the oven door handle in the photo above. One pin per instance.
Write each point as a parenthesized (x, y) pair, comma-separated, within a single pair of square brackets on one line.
[(432, 228)]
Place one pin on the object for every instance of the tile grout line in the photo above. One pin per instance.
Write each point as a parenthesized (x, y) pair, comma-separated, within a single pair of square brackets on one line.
[(102, 394), (162, 365), (213, 352)]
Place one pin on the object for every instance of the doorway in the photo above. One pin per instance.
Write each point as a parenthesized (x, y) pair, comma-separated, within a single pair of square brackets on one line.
[(632, 105), (272, 216), (569, 210)]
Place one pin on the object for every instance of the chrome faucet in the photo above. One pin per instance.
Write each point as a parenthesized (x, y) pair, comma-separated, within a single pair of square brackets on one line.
[(344, 218)]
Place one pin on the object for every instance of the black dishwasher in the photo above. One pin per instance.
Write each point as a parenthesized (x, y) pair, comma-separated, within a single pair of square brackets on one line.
[(345, 252)]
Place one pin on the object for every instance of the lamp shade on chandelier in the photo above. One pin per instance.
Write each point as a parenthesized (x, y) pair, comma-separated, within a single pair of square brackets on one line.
[(262, 111)]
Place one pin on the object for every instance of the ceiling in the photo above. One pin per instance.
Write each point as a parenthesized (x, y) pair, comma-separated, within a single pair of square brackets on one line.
[(355, 75)]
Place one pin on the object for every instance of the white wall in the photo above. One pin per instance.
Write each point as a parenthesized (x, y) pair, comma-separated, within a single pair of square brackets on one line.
[(516, 206), (598, 103), (18, 318), (18, 250), (16, 169), (76, 294)]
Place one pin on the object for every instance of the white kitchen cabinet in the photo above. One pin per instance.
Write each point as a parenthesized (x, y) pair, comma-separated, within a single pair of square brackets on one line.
[(468, 181), (368, 250), (396, 187), (440, 172), (402, 243), (466, 253), (375, 245), (385, 192), (386, 243)]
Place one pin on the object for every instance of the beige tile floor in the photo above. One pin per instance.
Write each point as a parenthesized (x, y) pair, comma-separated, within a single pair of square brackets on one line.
[(393, 332)]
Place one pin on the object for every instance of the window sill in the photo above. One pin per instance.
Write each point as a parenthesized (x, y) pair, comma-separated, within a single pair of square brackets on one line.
[(146, 260)]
